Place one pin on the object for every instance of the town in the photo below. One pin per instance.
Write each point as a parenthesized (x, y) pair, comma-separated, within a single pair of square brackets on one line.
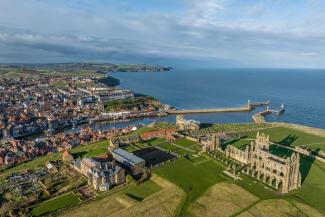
[(136, 162), (35, 103)]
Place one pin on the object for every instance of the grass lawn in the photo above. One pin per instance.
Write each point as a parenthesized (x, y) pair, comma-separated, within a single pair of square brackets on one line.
[(168, 146), (194, 180), (196, 148), (198, 159), (55, 204), (140, 192), (37, 162), (239, 143), (279, 151), (90, 150), (182, 152), (129, 148), (157, 141), (312, 191), (142, 145), (291, 137), (184, 142)]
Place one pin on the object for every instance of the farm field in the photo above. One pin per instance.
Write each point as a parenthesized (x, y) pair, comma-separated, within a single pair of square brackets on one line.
[(114, 203), (194, 180), (280, 207), (55, 204), (222, 199), (162, 203)]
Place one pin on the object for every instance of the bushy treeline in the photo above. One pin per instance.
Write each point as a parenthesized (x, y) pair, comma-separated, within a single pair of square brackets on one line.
[(228, 128)]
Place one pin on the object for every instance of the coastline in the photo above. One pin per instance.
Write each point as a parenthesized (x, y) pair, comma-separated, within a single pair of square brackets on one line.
[(110, 81)]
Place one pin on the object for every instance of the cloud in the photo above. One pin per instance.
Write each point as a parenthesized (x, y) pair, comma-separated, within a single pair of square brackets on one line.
[(231, 31), (308, 54)]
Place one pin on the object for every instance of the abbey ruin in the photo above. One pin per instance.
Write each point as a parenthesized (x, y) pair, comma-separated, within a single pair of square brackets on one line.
[(278, 172)]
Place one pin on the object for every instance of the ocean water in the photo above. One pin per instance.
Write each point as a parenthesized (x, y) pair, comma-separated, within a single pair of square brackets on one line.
[(302, 91)]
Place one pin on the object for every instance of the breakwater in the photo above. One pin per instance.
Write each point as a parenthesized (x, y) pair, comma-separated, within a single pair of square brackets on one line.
[(191, 111), (259, 118), (245, 108)]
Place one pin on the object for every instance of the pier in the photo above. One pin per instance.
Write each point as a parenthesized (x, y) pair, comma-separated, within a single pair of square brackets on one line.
[(245, 108), (259, 117)]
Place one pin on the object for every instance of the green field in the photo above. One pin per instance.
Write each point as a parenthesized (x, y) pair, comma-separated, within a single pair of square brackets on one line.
[(140, 192), (157, 141), (168, 146), (184, 142), (239, 143), (236, 127), (290, 137), (194, 180), (90, 150), (312, 191), (198, 159), (129, 148), (37, 162), (55, 204), (182, 152), (195, 176)]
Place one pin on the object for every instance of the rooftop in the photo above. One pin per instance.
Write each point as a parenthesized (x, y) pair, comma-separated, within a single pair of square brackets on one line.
[(127, 155)]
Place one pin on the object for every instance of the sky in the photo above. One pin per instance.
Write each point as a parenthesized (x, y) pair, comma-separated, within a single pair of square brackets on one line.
[(224, 33)]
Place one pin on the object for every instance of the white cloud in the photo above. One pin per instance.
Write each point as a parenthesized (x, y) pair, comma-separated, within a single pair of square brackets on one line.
[(203, 29), (308, 54)]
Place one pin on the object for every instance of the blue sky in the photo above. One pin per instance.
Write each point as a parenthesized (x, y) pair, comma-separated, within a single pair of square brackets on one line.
[(224, 33)]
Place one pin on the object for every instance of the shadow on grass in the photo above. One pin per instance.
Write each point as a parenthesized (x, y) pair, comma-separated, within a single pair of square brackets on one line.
[(205, 125), (224, 146), (79, 154), (288, 140), (280, 151), (306, 163), (137, 198)]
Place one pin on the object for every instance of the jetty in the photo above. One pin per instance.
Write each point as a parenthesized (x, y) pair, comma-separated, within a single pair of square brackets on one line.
[(259, 117), (245, 108)]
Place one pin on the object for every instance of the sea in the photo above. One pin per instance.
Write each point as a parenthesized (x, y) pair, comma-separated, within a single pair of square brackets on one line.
[(302, 91)]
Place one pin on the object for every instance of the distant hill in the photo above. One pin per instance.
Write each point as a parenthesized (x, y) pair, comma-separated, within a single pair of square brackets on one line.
[(96, 67)]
